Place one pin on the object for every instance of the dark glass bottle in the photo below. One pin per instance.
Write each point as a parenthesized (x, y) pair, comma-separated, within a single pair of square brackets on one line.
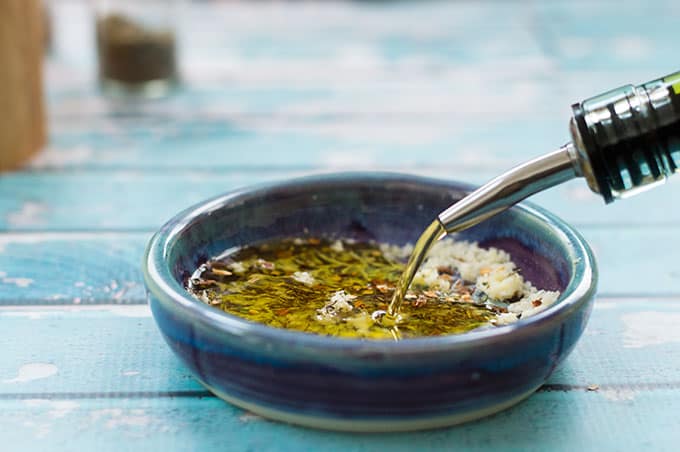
[(628, 139)]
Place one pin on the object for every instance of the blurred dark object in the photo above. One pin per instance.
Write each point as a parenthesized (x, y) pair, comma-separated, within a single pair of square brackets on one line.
[(23, 128), (136, 56)]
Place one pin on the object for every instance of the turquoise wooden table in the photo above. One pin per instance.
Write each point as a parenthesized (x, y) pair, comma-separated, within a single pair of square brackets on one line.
[(460, 90)]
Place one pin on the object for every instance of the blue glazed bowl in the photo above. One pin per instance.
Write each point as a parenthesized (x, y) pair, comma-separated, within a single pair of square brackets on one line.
[(360, 385)]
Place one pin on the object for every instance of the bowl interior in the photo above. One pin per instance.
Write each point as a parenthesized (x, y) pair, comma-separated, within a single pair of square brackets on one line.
[(392, 209)]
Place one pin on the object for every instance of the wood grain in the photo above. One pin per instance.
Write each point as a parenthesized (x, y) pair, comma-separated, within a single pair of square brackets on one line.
[(22, 130), (145, 199)]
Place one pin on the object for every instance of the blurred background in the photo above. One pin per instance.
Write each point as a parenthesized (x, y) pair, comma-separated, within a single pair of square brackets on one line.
[(351, 84)]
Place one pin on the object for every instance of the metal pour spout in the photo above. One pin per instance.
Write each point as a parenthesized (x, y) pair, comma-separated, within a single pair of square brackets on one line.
[(512, 187), (624, 141)]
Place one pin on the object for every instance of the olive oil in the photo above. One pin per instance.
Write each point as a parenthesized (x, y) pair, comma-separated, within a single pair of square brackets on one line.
[(434, 232), (333, 288)]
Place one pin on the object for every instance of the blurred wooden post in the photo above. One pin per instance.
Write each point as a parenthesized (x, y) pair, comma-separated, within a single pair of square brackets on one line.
[(22, 115)]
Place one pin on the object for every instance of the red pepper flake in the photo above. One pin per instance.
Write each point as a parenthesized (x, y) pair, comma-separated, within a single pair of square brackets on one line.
[(282, 311), (536, 303), (421, 301)]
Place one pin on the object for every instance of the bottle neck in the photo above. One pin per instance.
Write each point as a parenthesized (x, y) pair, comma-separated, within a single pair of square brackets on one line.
[(628, 140)]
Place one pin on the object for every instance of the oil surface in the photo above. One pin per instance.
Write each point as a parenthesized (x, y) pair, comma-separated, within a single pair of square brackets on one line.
[(331, 288)]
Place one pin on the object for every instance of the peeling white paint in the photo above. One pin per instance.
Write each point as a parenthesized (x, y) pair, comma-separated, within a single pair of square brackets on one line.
[(141, 310), (33, 371), (618, 395), (56, 409), (649, 328), (44, 311), (116, 417), (31, 238), (61, 408), (19, 282), (249, 417), (41, 430), (31, 213), (32, 315)]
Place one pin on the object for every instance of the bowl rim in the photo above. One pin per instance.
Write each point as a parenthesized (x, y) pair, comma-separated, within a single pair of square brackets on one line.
[(162, 285)]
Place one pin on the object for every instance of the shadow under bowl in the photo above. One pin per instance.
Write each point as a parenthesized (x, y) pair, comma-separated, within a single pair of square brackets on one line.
[(364, 385)]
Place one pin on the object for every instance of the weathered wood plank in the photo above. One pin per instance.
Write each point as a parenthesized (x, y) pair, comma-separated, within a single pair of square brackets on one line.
[(95, 200), (584, 421), (630, 346), (333, 140), (95, 268)]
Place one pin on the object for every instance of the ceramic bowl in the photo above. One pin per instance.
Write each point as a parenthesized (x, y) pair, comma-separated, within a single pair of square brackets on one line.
[(363, 385)]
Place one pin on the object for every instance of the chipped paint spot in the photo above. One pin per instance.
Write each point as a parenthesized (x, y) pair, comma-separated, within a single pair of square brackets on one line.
[(31, 213), (31, 238), (57, 311), (41, 429), (61, 408), (649, 328), (249, 417), (32, 315), (116, 417), (130, 373), (19, 282), (132, 311), (33, 371), (618, 395), (56, 408)]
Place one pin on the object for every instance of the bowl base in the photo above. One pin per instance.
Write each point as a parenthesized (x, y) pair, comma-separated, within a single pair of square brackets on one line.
[(368, 425)]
